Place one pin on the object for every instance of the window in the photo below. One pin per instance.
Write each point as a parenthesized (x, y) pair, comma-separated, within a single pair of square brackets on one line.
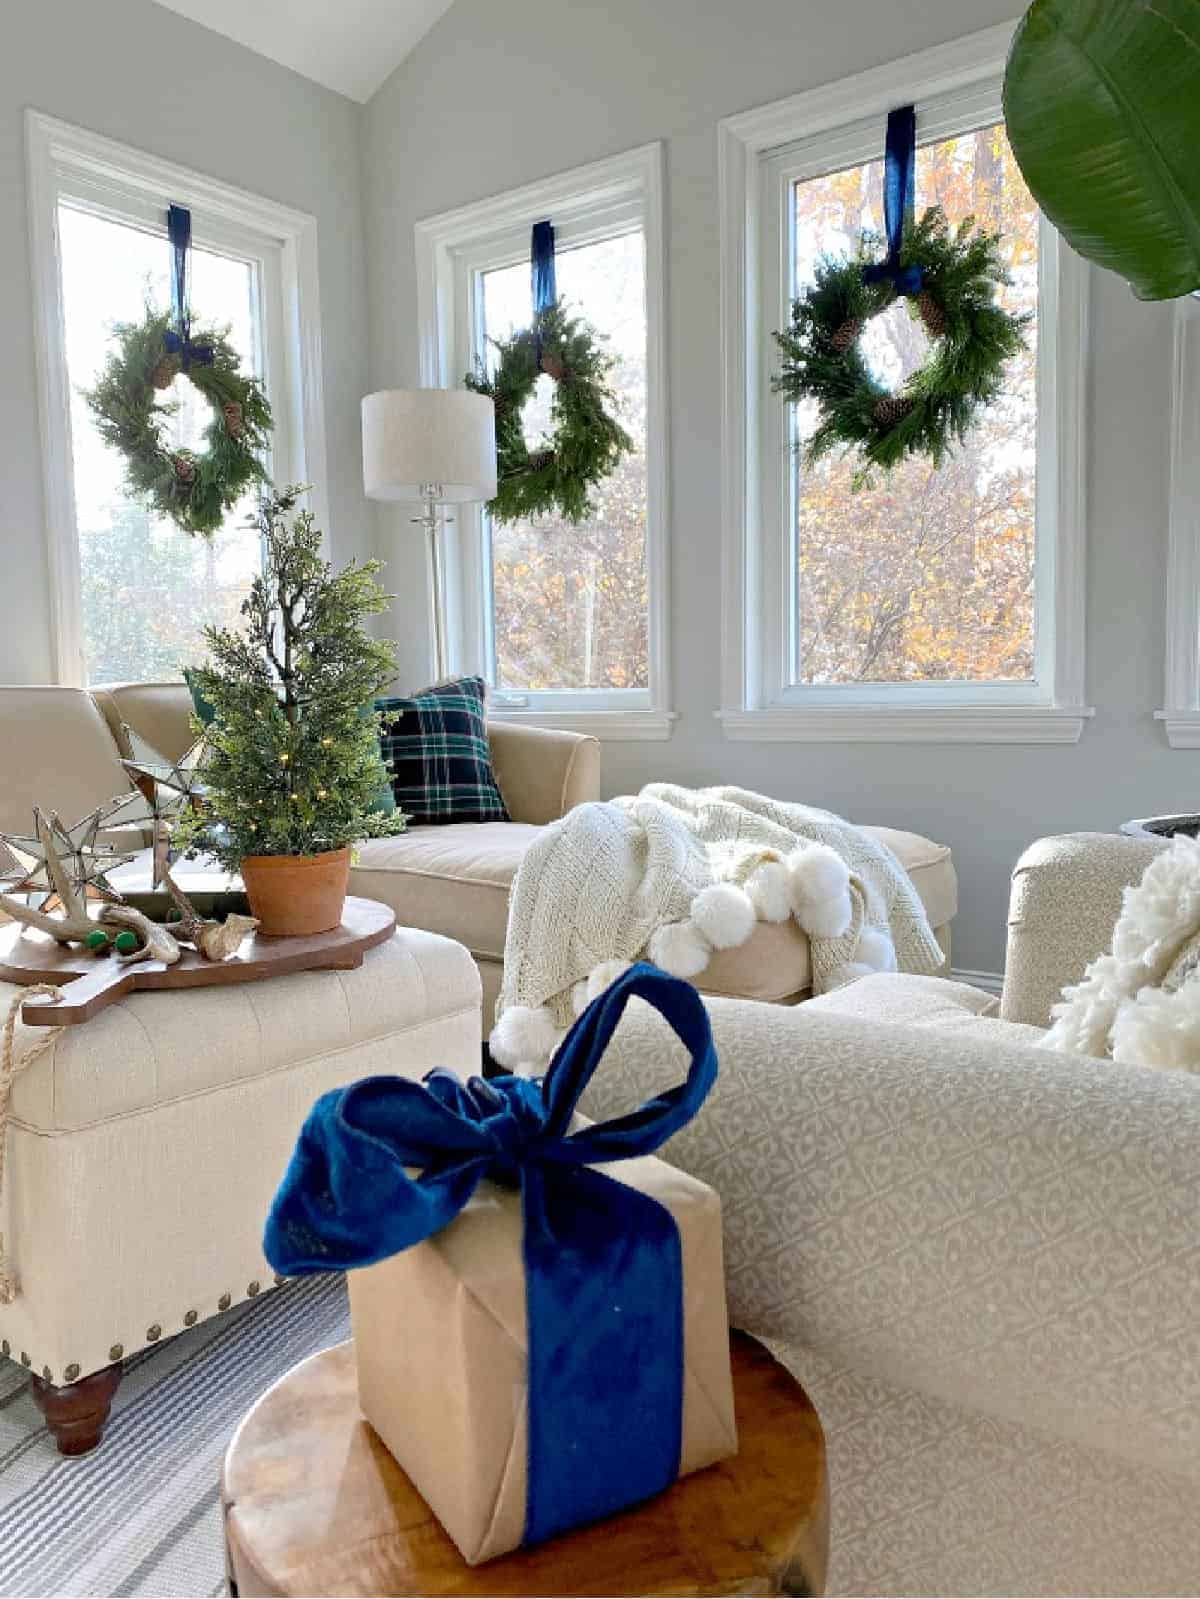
[(132, 591), (566, 622), (933, 603), (1181, 715)]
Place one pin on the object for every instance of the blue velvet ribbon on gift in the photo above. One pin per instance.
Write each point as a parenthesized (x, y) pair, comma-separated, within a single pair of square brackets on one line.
[(179, 340), (899, 195), (603, 1266)]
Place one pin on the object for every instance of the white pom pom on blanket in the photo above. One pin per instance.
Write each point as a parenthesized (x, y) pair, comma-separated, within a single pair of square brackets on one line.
[(770, 889), (680, 949), (524, 1037), (820, 887), (724, 914)]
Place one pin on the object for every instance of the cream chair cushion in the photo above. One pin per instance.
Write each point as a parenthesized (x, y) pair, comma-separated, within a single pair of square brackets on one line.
[(56, 753)]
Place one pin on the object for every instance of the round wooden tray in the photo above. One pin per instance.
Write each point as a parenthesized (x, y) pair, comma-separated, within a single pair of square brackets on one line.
[(95, 981), (314, 1503)]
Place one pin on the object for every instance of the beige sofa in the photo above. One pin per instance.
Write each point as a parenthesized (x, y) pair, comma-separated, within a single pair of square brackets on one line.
[(60, 747), (982, 1258)]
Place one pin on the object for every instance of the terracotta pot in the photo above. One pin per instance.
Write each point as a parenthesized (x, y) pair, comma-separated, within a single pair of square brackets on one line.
[(296, 895)]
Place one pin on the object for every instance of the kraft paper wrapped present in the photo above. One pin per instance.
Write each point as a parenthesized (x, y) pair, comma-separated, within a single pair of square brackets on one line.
[(538, 1306)]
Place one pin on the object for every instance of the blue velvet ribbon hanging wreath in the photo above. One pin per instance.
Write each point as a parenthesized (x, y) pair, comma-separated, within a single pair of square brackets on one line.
[(899, 198), (178, 340)]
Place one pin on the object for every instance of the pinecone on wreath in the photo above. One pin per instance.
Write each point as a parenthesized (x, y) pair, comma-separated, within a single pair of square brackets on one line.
[(932, 313), (185, 468), (167, 370), (554, 367), (844, 336), (892, 408), (235, 425)]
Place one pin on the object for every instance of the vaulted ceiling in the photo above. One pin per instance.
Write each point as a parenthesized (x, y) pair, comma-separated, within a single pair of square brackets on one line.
[(348, 45)]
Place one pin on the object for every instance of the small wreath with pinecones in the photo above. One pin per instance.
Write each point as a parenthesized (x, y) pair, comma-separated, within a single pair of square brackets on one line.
[(587, 443), (973, 340), (195, 490)]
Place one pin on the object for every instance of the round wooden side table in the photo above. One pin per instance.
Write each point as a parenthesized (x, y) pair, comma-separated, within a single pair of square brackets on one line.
[(314, 1504)]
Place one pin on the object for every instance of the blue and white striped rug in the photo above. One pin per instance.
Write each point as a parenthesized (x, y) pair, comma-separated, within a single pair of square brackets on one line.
[(141, 1514)]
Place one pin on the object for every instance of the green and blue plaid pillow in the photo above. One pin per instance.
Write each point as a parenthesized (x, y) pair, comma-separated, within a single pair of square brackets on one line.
[(436, 746)]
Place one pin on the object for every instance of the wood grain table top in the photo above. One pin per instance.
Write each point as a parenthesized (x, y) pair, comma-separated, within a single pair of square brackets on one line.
[(315, 1504)]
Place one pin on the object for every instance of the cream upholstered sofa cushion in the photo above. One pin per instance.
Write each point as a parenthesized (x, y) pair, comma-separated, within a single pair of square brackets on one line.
[(456, 881), (151, 1049), (144, 1148), (983, 1261), (453, 879)]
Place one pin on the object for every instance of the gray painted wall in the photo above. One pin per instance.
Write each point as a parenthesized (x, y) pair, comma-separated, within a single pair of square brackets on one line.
[(137, 72), (498, 95)]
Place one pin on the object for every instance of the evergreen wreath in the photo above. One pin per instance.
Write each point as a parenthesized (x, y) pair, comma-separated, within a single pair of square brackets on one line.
[(973, 336), (587, 443), (195, 490)]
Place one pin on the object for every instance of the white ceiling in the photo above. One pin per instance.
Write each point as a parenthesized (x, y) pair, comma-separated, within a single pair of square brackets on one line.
[(352, 46)]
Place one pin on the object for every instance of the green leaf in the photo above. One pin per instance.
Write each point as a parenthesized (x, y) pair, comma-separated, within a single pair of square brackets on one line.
[(1102, 101)]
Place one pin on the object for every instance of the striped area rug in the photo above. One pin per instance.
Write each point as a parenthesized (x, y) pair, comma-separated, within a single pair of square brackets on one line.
[(141, 1515)]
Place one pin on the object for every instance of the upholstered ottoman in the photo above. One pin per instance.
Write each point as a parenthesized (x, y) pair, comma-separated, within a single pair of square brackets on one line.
[(144, 1148)]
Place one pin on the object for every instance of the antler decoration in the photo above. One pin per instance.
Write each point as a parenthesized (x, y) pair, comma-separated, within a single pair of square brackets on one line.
[(216, 941)]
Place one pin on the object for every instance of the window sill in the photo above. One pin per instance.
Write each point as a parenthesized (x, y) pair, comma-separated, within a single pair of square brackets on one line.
[(617, 726), (1183, 728), (891, 724)]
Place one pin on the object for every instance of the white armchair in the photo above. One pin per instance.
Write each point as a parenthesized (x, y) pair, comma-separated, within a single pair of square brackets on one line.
[(982, 1258)]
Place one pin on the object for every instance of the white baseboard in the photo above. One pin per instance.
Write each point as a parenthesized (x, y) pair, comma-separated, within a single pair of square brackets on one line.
[(990, 982)]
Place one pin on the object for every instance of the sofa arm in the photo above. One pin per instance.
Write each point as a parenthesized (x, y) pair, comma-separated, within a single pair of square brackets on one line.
[(543, 773), (989, 1223), (1065, 900)]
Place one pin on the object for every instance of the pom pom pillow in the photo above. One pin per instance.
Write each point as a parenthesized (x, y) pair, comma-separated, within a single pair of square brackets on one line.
[(1140, 1004)]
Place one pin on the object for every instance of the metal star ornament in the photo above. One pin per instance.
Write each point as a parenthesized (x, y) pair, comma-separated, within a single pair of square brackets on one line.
[(172, 785), (167, 789), (73, 851)]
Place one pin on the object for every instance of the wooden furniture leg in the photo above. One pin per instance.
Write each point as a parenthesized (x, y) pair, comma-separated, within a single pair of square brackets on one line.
[(76, 1413)]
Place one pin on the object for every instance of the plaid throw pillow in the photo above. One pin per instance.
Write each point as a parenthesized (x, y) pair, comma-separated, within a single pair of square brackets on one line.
[(437, 747)]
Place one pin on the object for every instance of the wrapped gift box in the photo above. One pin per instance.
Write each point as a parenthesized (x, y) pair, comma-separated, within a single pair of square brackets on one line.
[(441, 1340)]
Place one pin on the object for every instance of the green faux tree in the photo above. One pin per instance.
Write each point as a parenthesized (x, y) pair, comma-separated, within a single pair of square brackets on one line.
[(294, 766)]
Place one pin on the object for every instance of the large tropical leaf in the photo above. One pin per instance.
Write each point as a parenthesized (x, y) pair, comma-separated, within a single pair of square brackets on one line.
[(1102, 100)]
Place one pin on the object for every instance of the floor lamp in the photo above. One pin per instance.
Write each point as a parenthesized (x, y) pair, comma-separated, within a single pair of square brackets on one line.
[(433, 445)]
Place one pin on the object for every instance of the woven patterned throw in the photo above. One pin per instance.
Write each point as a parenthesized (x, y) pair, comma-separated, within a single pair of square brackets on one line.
[(672, 874)]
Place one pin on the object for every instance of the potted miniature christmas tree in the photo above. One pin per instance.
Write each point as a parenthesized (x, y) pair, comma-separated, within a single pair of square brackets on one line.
[(293, 776)]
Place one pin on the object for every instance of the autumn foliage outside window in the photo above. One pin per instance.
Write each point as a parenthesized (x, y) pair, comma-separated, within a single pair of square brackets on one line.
[(928, 575), (569, 605)]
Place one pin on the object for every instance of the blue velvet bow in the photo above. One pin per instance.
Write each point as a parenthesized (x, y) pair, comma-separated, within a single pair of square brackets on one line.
[(191, 353), (603, 1268), (899, 193)]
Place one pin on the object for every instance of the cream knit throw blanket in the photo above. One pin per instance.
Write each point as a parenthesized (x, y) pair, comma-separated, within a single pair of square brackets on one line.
[(672, 874)]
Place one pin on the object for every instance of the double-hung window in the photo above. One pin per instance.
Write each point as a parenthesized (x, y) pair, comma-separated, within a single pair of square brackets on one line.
[(930, 602), (566, 622), (131, 590)]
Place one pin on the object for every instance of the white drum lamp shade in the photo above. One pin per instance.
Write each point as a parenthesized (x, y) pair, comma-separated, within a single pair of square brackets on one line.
[(418, 440)]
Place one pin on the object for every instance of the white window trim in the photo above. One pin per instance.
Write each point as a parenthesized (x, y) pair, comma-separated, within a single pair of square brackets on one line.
[(1181, 713), (445, 246), (66, 159), (1055, 711)]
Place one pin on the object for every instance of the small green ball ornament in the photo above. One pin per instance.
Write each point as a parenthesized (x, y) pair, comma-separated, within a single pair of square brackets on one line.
[(126, 943), (97, 940)]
